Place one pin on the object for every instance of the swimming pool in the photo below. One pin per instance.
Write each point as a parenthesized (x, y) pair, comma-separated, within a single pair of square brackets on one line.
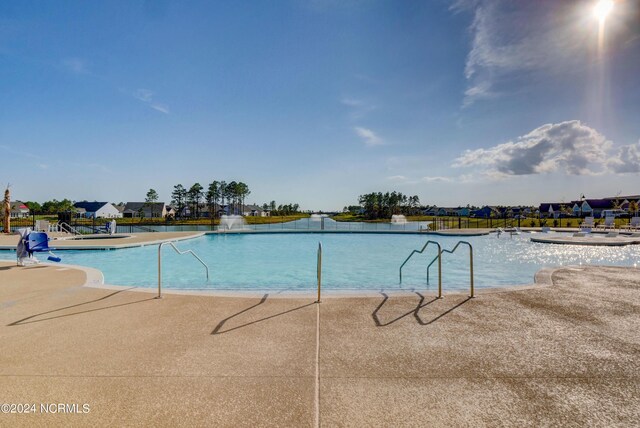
[(351, 261)]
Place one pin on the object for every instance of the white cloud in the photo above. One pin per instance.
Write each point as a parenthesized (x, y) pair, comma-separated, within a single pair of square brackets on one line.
[(147, 97), (368, 136), (626, 160), (570, 147), (511, 40), (143, 95), (397, 178), (160, 107), (358, 108), (436, 179), (75, 65), (352, 102)]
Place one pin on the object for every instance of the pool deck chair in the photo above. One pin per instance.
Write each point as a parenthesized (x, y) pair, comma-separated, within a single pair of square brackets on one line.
[(634, 224), (34, 242), (587, 223), (609, 223)]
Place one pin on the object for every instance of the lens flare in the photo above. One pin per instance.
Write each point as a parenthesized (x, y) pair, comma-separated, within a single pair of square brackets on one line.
[(602, 9)]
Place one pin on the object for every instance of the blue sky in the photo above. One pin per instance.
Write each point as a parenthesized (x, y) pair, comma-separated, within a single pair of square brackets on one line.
[(317, 102)]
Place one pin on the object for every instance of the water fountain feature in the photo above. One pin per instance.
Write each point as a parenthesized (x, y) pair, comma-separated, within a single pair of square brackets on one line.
[(398, 219), (232, 222)]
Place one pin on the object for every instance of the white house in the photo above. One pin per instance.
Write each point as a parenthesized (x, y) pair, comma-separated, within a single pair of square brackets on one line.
[(98, 209), (254, 211), (19, 210)]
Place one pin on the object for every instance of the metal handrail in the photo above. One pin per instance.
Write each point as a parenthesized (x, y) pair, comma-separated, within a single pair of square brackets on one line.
[(439, 264), (319, 270), (470, 263), (179, 252), (62, 225)]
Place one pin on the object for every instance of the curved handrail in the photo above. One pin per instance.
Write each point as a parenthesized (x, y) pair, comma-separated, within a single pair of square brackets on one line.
[(429, 266), (179, 252), (67, 228), (470, 262), (439, 264)]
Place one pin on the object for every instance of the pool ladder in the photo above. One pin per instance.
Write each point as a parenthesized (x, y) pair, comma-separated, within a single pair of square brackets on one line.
[(179, 252), (438, 258)]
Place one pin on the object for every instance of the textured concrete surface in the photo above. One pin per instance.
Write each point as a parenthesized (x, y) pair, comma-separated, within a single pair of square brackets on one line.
[(9, 242), (560, 355)]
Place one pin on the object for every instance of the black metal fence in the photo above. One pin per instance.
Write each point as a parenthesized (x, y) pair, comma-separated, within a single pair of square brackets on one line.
[(83, 225)]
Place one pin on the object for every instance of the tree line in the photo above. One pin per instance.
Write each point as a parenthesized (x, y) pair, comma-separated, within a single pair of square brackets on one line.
[(383, 205), (221, 193), (282, 209), (53, 206)]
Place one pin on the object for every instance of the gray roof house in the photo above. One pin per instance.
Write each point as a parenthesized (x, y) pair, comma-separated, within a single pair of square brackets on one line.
[(255, 211), (148, 209)]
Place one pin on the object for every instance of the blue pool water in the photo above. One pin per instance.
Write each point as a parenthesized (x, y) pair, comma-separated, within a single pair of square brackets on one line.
[(350, 261)]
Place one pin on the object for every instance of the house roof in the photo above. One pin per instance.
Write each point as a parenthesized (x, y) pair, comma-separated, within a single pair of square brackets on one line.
[(253, 208), (18, 206), (90, 207), (146, 206), (544, 207), (600, 203), (622, 198)]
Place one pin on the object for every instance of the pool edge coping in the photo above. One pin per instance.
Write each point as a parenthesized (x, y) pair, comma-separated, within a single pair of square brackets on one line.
[(95, 279)]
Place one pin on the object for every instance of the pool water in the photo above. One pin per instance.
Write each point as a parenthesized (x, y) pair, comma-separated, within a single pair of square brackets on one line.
[(352, 261)]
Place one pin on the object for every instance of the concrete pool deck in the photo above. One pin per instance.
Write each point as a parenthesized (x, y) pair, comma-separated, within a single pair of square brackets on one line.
[(560, 355)]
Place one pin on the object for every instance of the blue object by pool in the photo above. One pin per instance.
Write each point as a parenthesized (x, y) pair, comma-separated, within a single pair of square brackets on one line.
[(38, 242)]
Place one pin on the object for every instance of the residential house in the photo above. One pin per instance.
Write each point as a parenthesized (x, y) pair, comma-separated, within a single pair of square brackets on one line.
[(145, 210), (98, 209), (486, 212), (463, 211), (432, 210), (255, 211), (204, 211), (18, 210), (594, 207), (550, 209)]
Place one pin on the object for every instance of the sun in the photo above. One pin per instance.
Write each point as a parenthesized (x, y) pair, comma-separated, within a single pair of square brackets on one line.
[(602, 9)]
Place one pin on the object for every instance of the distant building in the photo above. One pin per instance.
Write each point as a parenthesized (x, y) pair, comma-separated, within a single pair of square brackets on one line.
[(18, 210), (486, 212), (432, 210), (463, 211), (255, 211), (145, 210), (550, 209), (98, 209)]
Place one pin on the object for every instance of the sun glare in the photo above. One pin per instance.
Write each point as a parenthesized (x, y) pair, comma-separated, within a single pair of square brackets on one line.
[(602, 9)]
